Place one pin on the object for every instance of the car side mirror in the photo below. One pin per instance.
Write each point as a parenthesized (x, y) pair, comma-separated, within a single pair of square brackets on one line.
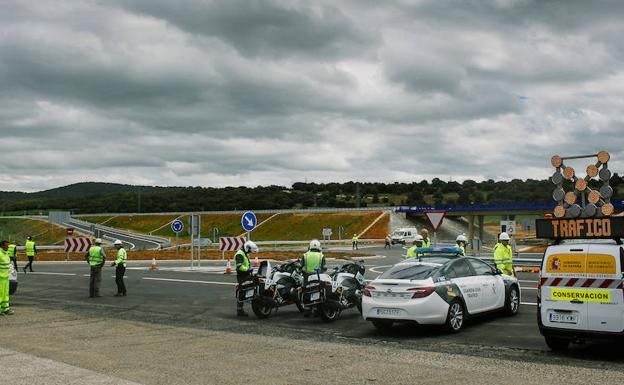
[(497, 271)]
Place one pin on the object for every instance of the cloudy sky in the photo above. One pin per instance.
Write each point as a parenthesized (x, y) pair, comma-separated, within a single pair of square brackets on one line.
[(249, 92)]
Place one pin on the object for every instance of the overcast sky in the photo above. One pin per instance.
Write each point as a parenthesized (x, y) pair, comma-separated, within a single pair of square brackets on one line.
[(244, 92)]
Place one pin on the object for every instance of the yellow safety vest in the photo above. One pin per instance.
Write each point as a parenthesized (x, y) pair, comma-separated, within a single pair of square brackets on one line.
[(122, 257), (30, 248), (95, 256), (5, 264)]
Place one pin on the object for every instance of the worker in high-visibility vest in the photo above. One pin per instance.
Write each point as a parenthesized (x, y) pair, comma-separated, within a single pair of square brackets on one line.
[(354, 242), (12, 251), (461, 242), (5, 268), (418, 244), (244, 271), (96, 259), (31, 251), (503, 255), (120, 268), (424, 233)]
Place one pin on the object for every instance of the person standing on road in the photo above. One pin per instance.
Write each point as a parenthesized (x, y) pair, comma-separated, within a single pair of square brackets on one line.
[(96, 259), (31, 251), (388, 243), (503, 255), (5, 268), (243, 271), (120, 270), (354, 242), (418, 243), (424, 233), (13, 254), (461, 241)]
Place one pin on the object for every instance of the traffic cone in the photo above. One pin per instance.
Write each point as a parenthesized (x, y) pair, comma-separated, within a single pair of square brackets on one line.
[(228, 267), (256, 262), (154, 267)]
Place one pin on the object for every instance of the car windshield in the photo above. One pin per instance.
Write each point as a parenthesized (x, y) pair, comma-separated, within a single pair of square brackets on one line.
[(398, 234), (410, 271)]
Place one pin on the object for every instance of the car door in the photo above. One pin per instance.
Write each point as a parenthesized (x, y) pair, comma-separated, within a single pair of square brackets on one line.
[(461, 274), (492, 285)]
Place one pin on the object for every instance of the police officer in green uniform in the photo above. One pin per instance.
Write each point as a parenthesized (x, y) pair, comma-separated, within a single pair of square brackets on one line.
[(96, 259), (120, 268), (313, 258), (243, 270), (31, 251), (12, 251), (5, 268), (461, 241), (418, 243), (424, 233)]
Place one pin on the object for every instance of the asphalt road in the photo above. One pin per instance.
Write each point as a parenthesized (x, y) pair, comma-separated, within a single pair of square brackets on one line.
[(205, 299), (130, 242)]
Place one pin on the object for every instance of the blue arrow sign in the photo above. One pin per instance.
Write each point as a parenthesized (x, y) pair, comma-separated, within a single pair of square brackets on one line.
[(177, 226), (249, 221)]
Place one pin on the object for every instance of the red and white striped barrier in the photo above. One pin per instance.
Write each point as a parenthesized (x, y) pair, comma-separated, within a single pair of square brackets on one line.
[(586, 283), (231, 243), (74, 245)]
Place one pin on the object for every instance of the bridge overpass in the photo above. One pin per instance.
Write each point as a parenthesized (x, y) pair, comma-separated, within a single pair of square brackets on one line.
[(478, 212)]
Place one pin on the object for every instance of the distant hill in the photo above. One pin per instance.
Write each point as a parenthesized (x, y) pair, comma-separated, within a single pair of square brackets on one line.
[(94, 197)]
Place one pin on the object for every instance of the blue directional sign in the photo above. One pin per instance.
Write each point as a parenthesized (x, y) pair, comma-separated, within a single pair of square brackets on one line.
[(177, 226), (249, 221)]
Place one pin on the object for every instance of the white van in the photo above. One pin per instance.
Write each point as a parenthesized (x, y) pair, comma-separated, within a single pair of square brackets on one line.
[(404, 235), (580, 294)]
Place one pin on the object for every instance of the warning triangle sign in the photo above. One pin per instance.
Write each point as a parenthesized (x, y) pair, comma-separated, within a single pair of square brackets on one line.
[(435, 218)]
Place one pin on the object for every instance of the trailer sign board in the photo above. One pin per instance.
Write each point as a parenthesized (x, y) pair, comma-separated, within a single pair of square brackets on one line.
[(580, 228)]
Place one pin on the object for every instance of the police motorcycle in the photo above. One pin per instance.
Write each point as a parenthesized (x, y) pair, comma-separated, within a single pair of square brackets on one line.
[(313, 296), (347, 285), (278, 286)]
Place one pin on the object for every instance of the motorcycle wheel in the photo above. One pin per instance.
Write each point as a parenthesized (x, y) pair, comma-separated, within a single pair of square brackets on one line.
[(260, 309), (358, 303), (299, 306), (328, 313)]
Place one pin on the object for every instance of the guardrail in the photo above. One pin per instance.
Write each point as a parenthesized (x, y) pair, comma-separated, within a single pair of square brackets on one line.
[(145, 238)]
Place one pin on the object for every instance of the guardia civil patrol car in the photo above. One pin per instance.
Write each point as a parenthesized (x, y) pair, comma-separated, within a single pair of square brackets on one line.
[(580, 292), (440, 287)]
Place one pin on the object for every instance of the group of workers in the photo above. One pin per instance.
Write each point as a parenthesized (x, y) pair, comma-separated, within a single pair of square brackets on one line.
[(96, 257), (502, 250), (8, 256), (31, 251)]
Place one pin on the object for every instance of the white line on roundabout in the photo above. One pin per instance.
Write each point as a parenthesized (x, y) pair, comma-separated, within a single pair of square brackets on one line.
[(373, 269), (189, 281)]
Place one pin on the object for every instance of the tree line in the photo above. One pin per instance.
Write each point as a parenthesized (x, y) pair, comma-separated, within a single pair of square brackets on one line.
[(94, 197)]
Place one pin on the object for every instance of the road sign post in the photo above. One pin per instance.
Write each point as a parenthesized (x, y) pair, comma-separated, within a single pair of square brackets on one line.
[(195, 229), (249, 222), (327, 233), (435, 219), (177, 226)]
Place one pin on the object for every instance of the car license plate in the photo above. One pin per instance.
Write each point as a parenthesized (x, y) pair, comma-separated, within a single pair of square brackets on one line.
[(388, 312), (564, 318), (249, 293), (315, 296)]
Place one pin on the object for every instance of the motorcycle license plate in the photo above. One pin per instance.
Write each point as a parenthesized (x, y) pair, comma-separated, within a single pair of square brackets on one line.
[(388, 312), (315, 296), (249, 293), (563, 318)]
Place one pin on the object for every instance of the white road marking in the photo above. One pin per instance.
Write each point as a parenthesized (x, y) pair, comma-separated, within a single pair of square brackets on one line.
[(190, 281), (48, 273), (373, 269), (528, 303), (528, 288), (525, 281)]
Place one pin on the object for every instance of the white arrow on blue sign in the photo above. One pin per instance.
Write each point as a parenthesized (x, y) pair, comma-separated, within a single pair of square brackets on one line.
[(249, 221), (177, 226)]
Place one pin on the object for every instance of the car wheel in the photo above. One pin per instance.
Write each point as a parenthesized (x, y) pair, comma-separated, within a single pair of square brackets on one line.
[(383, 325), (456, 317), (261, 308), (512, 302), (557, 344)]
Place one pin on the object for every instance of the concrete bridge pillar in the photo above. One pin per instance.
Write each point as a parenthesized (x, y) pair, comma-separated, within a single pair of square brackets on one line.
[(481, 220), (470, 230)]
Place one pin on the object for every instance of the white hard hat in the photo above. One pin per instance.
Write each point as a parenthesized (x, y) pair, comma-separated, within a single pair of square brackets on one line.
[(98, 240), (418, 238), (250, 247), (503, 237), (461, 238), (118, 242), (315, 244)]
